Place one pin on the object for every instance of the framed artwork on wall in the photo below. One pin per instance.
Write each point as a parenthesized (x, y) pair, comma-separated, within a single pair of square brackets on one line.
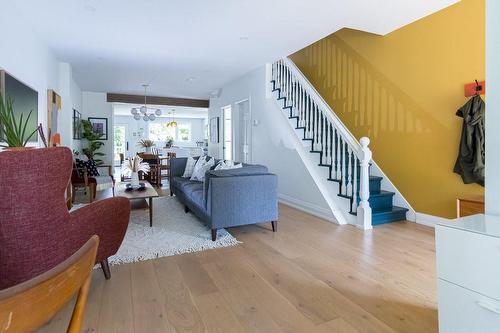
[(214, 130), (100, 126), (77, 125)]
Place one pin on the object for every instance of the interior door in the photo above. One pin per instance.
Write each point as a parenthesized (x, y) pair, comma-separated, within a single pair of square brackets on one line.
[(242, 132), (227, 128), (121, 144)]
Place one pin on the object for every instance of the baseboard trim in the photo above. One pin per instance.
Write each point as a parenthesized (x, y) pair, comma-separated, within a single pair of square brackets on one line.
[(429, 220), (307, 207)]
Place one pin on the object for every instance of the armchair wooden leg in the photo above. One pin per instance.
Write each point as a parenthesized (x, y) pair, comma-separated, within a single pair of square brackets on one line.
[(171, 193), (274, 224), (214, 235), (105, 269)]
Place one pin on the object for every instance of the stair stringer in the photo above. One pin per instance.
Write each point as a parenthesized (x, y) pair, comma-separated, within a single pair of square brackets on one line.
[(329, 190)]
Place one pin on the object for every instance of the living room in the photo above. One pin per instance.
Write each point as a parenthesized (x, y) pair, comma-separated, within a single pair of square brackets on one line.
[(182, 167)]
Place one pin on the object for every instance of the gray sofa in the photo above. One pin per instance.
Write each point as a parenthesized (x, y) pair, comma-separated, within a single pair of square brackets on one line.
[(228, 198)]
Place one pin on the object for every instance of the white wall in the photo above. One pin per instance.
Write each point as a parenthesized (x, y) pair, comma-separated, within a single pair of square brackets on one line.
[(269, 140), (492, 196), (94, 104), (26, 58)]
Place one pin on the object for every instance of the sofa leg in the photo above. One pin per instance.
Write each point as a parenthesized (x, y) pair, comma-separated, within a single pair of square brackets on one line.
[(214, 235), (186, 209), (274, 224), (171, 193), (105, 269)]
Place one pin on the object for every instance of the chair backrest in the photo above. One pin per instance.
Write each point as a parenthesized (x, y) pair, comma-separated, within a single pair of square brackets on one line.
[(27, 306), (171, 155), (149, 158), (34, 228)]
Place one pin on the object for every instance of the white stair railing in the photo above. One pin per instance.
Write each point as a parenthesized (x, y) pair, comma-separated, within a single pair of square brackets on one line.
[(338, 148)]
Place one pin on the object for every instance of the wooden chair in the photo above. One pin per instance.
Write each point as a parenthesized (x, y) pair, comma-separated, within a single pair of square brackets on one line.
[(165, 166), (88, 182), (27, 306), (154, 163)]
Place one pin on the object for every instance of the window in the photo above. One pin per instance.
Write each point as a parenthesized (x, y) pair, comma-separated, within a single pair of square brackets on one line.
[(160, 132), (185, 132)]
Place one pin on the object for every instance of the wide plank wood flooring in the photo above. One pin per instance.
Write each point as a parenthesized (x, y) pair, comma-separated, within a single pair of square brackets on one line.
[(310, 276)]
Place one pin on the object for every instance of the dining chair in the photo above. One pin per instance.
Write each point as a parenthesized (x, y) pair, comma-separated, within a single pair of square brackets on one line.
[(25, 307), (165, 166), (154, 163)]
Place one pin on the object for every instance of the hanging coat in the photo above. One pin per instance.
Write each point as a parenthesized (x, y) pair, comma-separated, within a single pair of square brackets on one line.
[(470, 160)]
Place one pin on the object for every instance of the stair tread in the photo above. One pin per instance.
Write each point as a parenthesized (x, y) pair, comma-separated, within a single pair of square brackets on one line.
[(394, 209)]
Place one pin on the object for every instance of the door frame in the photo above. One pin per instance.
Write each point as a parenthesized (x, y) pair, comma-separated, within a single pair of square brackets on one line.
[(250, 135)]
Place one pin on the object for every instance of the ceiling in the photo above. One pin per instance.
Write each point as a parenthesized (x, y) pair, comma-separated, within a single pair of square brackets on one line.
[(188, 48), (123, 109)]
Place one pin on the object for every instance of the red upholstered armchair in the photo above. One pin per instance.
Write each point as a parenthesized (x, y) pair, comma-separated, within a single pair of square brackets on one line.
[(36, 230)]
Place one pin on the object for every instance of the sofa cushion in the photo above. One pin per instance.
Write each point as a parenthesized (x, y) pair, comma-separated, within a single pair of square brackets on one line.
[(183, 183)]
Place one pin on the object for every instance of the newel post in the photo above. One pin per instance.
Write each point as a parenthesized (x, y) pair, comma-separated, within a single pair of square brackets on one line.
[(364, 211)]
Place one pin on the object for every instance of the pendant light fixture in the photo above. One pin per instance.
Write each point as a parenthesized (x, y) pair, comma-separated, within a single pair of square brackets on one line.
[(172, 123), (145, 113)]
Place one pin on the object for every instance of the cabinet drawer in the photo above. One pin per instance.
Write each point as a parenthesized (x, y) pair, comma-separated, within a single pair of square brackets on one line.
[(464, 311), (469, 259)]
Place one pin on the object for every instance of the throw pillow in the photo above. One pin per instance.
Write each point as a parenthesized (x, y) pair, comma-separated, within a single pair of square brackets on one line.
[(81, 166), (188, 171), (92, 168), (226, 165), (199, 173)]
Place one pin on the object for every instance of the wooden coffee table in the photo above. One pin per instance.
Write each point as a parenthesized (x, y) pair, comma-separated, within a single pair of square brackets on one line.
[(135, 195)]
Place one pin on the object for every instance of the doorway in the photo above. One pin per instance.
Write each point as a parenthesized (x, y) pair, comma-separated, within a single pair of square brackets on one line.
[(242, 121), (227, 128), (120, 145)]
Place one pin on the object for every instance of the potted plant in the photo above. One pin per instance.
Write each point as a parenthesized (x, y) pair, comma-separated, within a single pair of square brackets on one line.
[(13, 131), (94, 140), (146, 144), (169, 142)]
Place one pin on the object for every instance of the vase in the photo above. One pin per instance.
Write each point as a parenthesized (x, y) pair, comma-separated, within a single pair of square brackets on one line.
[(134, 180), (148, 150)]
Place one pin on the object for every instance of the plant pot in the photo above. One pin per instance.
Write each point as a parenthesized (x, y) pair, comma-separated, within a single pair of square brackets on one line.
[(148, 150), (134, 180)]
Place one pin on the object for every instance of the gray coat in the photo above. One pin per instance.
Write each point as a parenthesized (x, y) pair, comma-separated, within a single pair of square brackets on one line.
[(470, 160)]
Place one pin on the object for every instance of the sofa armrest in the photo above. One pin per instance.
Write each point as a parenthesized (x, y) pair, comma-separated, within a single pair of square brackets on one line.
[(177, 166), (240, 200)]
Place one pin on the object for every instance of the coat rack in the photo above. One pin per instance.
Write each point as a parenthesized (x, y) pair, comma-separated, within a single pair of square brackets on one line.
[(475, 88)]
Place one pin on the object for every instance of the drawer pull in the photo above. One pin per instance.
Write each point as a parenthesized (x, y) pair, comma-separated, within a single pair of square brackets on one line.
[(489, 306)]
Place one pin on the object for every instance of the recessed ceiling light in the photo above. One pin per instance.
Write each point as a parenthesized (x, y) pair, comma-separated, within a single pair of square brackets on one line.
[(243, 38), (191, 79)]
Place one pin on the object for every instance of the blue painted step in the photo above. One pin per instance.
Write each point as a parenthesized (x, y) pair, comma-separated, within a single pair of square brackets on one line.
[(395, 214), (381, 201)]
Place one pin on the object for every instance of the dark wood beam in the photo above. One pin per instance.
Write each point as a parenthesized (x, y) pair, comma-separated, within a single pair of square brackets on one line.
[(157, 100)]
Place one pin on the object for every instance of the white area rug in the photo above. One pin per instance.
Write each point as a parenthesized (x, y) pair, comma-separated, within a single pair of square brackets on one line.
[(173, 232)]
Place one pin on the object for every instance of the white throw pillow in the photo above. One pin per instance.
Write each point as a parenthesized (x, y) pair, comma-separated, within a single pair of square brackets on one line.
[(188, 171), (199, 172), (226, 165)]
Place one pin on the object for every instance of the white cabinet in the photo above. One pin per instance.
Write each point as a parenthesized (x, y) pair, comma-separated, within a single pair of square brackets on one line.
[(468, 269)]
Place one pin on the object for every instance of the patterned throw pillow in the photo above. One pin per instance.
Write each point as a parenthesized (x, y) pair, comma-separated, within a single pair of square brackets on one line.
[(81, 166), (188, 171), (199, 172), (92, 168), (226, 165)]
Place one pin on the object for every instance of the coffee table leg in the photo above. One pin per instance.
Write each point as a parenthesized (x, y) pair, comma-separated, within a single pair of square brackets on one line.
[(150, 212)]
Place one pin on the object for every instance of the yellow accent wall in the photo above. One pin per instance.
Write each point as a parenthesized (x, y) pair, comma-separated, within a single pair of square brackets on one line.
[(402, 91)]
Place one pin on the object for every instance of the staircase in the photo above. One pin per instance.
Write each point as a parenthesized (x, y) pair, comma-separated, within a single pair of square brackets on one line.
[(346, 161)]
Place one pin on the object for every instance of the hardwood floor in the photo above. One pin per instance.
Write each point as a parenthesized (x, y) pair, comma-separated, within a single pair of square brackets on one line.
[(310, 276)]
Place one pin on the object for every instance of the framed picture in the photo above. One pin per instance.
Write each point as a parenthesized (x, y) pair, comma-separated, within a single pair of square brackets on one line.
[(77, 125), (100, 126), (214, 130)]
